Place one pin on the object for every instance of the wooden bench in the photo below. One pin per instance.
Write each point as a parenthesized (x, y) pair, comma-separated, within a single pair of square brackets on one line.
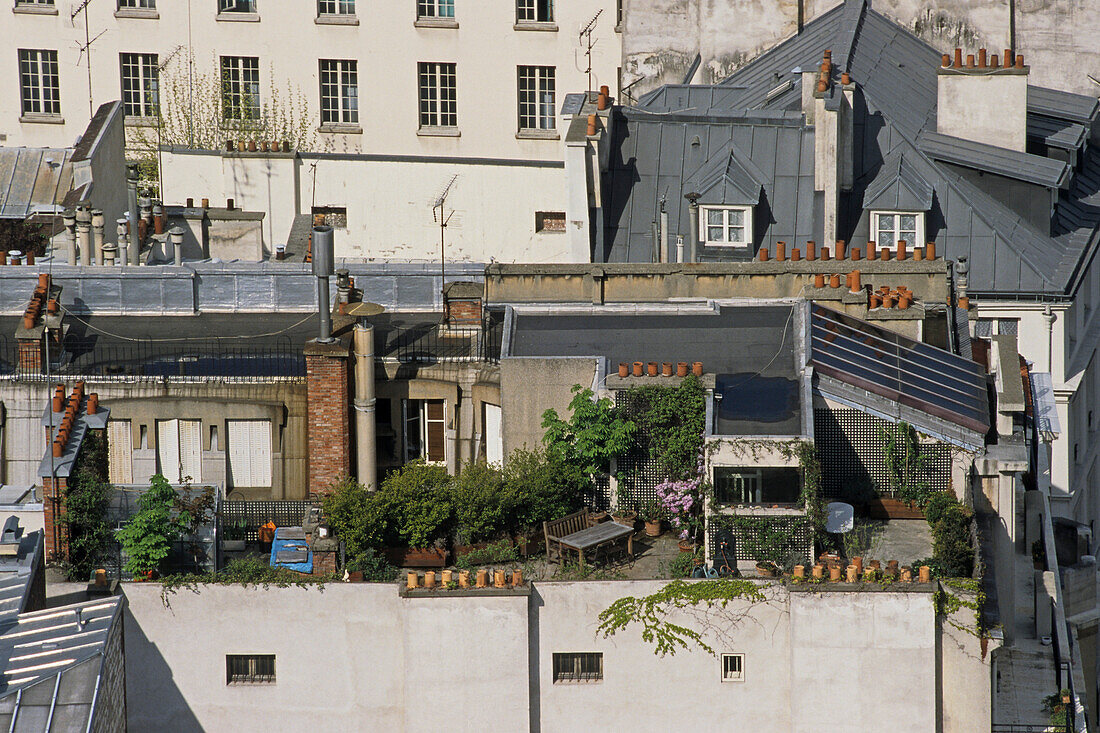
[(558, 528)]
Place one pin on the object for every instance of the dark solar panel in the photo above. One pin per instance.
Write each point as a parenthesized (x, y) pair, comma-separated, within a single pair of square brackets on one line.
[(898, 368)]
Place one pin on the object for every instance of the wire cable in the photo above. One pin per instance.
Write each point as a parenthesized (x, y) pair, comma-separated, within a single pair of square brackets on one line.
[(185, 338)]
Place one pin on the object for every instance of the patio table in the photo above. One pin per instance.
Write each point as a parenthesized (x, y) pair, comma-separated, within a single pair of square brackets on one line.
[(597, 536)]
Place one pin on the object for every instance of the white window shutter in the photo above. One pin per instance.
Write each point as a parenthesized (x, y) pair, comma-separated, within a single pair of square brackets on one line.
[(120, 452), (168, 449), (250, 453), (191, 449), (240, 466), (494, 443), (260, 452)]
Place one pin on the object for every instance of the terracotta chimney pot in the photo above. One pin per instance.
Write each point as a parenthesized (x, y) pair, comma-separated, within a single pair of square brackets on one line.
[(834, 281), (796, 254), (994, 61), (856, 253), (819, 281), (981, 57), (781, 251), (697, 368), (885, 254), (855, 281), (845, 78), (946, 60), (652, 368), (638, 367), (872, 250), (624, 369), (763, 254), (811, 250), (591, 125), (841, 249), (958, 58), (901, 250), (825, 253), (930, 251), (970, 61), (1019, 61)]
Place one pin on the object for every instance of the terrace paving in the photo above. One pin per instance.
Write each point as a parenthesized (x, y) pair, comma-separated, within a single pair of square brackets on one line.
[(904, 540)]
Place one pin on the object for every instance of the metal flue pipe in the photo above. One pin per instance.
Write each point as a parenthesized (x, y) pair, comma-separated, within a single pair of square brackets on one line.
[(132, 217), (323, 267), (366, 438)]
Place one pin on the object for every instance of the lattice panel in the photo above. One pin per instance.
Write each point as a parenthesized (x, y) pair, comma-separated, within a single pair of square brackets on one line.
[(744, 544), (852, 452), (642, 472)]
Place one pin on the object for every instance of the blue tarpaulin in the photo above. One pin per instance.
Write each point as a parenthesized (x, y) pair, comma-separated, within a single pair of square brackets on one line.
[(281, 543)]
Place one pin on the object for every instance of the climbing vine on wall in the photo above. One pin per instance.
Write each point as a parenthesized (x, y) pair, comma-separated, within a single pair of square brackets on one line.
[(86, 501)]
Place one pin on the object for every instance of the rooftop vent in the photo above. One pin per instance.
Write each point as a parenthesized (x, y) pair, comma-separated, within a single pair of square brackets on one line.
[(9, 538)]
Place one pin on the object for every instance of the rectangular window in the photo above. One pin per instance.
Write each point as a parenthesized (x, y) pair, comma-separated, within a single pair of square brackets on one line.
[(756, 486), (120, 452), (494, 443), (534, 11), (45, 3), (179, 450), (438, 92), (983, 328), (733, 667), (726, 227), (536, 98), (339, 92), (435, 9), (425, 430), (39, 82), (249, 454), (1008, 326), (139, 84), (333, 216), (249, 669), (240, 88), (146, 4), (891, 226), (549, 221), (335, 7), (578, 667), (236, 6)]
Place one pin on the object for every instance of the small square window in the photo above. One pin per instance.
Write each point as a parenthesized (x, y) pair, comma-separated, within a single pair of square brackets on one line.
[(726, 226), (249, 669), (890, 227), (733, 667), (549, 221), (1008, 326), (983, 328), (333, 216), (578, 667)]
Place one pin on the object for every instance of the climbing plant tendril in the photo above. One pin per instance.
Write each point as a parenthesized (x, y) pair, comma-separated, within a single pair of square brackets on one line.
[(652, 611)]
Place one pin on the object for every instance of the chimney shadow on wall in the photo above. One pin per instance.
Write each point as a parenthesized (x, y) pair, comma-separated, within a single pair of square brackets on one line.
[(153, 701)]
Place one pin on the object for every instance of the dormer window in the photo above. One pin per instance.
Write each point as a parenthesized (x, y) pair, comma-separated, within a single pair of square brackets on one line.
[(888, 227), (726, 226)]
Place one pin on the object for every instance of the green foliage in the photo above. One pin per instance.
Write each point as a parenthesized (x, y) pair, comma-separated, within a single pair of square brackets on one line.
[(956, 594), (595, 433), (477, 495), (952, 551), (939, 504), (652, 611), (373, 565), (1056, 709), (906, 463), (671, 422), (356, 516), (539, 487), (682, 565), (24, 235), (86, 502), (495, 553), (417, 501), (244, 571), (772, 540), (811, 485), (148, 536)]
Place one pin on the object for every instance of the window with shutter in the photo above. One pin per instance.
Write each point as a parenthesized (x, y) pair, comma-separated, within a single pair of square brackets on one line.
[(494, 444), (191, 450), (434, 433), (120, 450), (168, 449), (250, 453)]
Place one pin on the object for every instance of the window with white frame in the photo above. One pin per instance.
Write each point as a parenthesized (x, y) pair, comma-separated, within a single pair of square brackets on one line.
[(240, 88), (536, 98), (179, 450), (34, 3), (890, 227), (534, 11), (339, 92), (236, 6), (39, 82), (726, 226), (139, 84), (142, 4), (733, 667), (578, 667), (249, 449), (335, 7), (435, 9), (425, 430), (438, 94)]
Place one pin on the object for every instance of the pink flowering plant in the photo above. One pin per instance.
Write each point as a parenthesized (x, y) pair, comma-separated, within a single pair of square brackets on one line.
[(682, 502)]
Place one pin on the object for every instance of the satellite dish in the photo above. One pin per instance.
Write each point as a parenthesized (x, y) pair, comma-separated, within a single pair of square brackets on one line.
[(839, 517)]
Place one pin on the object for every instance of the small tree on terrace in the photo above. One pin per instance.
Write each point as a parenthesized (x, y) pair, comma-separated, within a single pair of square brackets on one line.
[(147, 538)]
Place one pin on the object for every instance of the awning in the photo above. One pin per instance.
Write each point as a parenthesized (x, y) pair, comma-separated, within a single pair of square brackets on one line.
[(1046, 412)]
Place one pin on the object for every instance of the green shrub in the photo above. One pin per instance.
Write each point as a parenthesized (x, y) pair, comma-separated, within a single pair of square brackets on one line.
[(356, 516), (595, 433), (493, 554), (373, 565), (540, 487), (939, 504), (682, 565), (417, 504), (86, 521), (147, 538), (952, 551), (480, 513)]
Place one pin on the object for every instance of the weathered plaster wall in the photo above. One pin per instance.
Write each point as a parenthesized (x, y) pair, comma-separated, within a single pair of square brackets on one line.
[(662, 37)]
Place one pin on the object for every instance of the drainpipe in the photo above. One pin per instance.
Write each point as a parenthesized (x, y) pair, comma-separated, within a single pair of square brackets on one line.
[(70, 235), (693, 226), (132, 208), (663, 254), (176, 236), (1050, 317), (656, 231), (366, 446), (98, 221)]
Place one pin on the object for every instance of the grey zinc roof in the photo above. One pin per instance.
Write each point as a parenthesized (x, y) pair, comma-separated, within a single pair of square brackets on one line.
[(993, 159), (32, 180), (896, 79), (898, 185)]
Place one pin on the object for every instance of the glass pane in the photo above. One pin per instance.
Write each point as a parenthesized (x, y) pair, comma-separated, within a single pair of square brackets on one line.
[(716, 234), (736, 217), (737, 234), (886, 238), (886, 221), (908, 222), (714, 216)]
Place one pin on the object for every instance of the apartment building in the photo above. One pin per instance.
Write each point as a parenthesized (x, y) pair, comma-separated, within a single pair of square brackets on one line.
[(473, 91)]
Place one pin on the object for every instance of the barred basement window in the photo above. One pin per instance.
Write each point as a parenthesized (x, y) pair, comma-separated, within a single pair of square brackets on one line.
[(549, 221), (733, 667), (578, 667), (249, 669), (333, 216)]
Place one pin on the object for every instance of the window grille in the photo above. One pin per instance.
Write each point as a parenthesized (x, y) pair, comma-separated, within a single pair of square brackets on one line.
[(438, 92), (339, 92), (145, 4), (249, 669), (333, 216), (39, 82), (139, 84), (549, 221), (1008, 326), (983, 329), (536, 98), (240, 87), (578, 666), (733, 667)]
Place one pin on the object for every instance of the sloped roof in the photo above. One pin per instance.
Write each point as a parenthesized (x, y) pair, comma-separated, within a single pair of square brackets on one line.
[(728, 178), (898, 185), (896, 77), (33, 180)]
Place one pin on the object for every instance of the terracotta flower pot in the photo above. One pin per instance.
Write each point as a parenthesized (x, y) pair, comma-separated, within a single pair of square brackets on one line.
[(624, 369), (666, 369), (686, 546), (651, 368), (682, 369), (653, 528), (638, 367), (625, 518), (697, 368), (765, 570)]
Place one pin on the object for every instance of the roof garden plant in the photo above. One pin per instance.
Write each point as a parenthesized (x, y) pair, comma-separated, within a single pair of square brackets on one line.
[(671, 422), (147, 538), (595, 433), (86, 502)]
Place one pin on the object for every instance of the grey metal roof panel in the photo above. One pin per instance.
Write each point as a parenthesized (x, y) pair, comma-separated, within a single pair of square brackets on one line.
[(1062, 105), (992, 159), (33, 179), (573, 104), (1056, 133), (898, 185)]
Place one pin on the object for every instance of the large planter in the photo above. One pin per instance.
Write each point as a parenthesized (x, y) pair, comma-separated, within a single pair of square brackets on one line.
[(234, 545), (528, 544), (626, 518), (355, 576), (686, 546), (765, 570), (416, 557), (653, 528)]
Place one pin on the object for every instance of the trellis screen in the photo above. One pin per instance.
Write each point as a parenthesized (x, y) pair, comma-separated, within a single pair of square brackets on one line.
[(851, 450), (254, 514), (744, 545), (640, 472)]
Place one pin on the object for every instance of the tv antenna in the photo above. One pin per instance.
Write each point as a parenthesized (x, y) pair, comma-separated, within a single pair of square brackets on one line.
[(443, 219), (585, 38), (82, 7)]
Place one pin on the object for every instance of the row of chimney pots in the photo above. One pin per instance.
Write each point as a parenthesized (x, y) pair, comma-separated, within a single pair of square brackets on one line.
[(899, 253), (653, 369)]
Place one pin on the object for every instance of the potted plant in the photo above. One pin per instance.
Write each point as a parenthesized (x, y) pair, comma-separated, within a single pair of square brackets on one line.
[(652, 514), (680, 502), (622, 514), (234, 540)]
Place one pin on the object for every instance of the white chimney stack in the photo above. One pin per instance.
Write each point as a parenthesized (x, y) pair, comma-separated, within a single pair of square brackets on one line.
[(983, 99)]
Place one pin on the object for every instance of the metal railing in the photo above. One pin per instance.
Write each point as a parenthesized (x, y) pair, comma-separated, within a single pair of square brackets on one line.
[(431, 344)]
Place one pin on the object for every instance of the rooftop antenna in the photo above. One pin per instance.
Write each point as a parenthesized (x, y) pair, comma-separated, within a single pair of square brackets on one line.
[(443, 219), (82, 7), (585, 38)]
